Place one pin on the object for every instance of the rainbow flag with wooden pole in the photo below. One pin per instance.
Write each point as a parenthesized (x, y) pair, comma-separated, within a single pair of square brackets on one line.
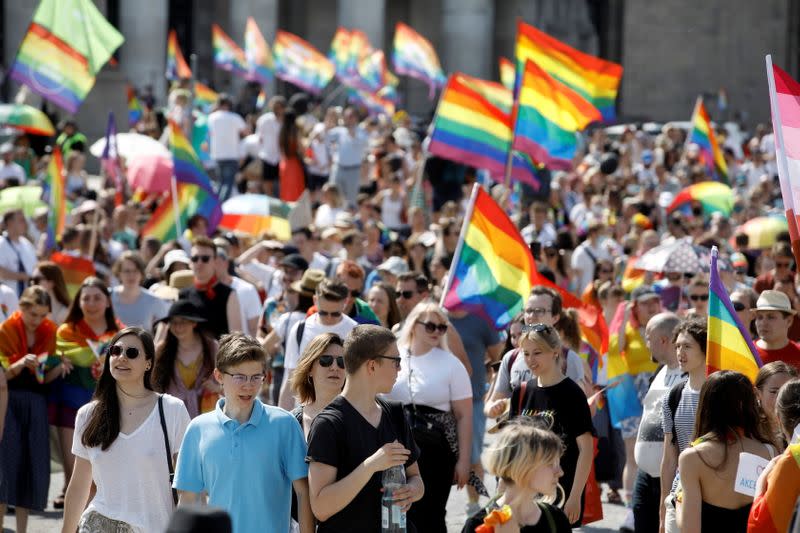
[(702, 134)]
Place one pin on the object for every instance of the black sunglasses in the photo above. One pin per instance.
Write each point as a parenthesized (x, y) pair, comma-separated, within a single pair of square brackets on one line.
[(198, 258), (405, 294), (699, 297), (396, 360), (334, 314), (430, 327), (738, 306), (327, 360), (131, 352), (537, 328)]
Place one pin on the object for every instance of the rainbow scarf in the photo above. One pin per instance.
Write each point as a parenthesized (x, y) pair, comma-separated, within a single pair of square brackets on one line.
[(415, 56), (75, 270), (86, 351), (177, 68), (297, 62), (227, 54), (703, 135), (256, 50), (14, 343)]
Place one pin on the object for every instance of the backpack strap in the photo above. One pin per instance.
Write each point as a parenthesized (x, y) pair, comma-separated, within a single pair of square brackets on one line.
[(301, 327), (673, 400), (551, 523), (166, 445), (522, 387)]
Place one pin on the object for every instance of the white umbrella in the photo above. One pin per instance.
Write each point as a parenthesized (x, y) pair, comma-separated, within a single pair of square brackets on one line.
[(678, 256), (131, 145)]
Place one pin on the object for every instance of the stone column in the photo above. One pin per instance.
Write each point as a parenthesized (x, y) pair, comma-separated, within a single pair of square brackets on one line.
[(467, 31), (143, 55), (367, 16)]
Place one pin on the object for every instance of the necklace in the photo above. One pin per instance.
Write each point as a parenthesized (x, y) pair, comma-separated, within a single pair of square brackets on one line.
[(129, 395)]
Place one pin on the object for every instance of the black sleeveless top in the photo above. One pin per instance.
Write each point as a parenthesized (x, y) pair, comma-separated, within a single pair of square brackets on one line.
[(713, 518), (213, 310)]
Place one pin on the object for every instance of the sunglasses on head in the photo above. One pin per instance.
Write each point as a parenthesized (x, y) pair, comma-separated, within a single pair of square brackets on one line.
[(332, 314), (537, 328), (131, 352), (738, 306), (327, 360), (198, 258), (698, 297), (405, 294), (430, 327)]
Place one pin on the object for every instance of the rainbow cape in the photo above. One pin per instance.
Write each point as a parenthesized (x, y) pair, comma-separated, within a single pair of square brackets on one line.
[(257, 53), (415, 56), (595, 79), (227, 54), (204, 96), (297, 62), (66, 45), (507, 73), (75, 270), (703, 135), (773, 509), (177, 67), (134, 107), (548, 116), (54, 195), (729, 346)]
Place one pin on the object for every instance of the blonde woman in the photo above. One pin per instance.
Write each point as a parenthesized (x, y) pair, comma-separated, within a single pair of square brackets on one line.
[(526, 459), (435, 390)]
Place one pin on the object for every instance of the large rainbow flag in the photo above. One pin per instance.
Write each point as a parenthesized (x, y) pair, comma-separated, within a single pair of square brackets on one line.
[(257, 53), (227, 54), (75, 270), (548, 117), (729, 346), (297, 62), (54, 192), (703, 135), (177, 67), (595, 79), (339, 53), (470, 128), (66, 45), (134, 107), (492, 271), (415, 56)]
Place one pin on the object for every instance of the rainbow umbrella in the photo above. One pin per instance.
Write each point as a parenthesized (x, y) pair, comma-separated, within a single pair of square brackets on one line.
[(715, 197), (763, 231), (26, 118), (255, 214)]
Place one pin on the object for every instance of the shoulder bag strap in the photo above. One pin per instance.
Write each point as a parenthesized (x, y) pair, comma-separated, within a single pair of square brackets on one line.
[(522, 387), (166, 445), (551, 523)]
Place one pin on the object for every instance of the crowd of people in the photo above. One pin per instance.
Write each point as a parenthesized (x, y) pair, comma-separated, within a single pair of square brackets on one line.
[(279, 380)]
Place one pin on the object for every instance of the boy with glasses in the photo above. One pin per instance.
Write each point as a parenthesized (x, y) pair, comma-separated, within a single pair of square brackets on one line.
[(330, 299), (245, 455)]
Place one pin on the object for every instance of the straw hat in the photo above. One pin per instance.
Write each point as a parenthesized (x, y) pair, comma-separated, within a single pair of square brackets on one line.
[(308, 283), (774, 301)]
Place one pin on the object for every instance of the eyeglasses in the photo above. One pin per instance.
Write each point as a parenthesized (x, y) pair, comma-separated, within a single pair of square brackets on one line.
[(355, 293), (537, 311), (333, 314), (738, 306), (131, 352), (198, 258), (698, 297), (395, 359), (405, 294), (537, 328), (241, 379), (430, 327), (327, 360)]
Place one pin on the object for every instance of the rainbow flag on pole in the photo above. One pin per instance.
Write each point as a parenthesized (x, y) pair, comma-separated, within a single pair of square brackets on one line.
[(374, 104), (204, 96), (257, 53), (415, 56), (729, 346), (134, 107), (595, 79), (227, 54), (297, 62), (507, 73), (54, 192), (703, 135), (66, 45), (177, 67)]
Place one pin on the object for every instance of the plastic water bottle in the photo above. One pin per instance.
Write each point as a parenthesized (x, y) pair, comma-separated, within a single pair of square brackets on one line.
[(393, 519)]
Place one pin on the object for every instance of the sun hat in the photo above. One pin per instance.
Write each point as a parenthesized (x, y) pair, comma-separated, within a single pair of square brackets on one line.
[(774, 301), (175, 256), (308, 283)]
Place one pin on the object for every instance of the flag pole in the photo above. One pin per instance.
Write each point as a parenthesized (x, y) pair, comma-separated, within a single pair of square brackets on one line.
[(467, 217), (176, 207)]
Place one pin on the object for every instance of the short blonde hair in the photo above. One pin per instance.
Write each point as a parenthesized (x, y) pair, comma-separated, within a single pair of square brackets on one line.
[(406, 335), (544, 336), (301, 378)]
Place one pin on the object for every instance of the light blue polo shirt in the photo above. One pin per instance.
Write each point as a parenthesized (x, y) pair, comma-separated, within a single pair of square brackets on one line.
[(247, 469)]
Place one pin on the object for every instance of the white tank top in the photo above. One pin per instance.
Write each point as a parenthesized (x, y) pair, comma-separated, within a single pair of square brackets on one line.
[(391, 211)]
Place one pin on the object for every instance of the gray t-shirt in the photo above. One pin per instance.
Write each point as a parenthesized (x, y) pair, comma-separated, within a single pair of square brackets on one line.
[(144, 312), (509, 379), (477, 335)]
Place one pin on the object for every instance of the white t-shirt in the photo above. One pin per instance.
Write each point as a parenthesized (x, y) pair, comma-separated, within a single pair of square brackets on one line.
[(434, 379), (326, 215), (224, 128), (249, 302), (312, 329), (12, 170), (584, 265), (131, 475), (268, 128), (12, 253), (8, 302), (650, 440)]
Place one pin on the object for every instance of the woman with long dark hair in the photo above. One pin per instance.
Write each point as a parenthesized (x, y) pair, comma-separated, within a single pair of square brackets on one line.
[(728, 422), (120, 442), (49, 276), (185, 360), (89, 324), (290, 168)]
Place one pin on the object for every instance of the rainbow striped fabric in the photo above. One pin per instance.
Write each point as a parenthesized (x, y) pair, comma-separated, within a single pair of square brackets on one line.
[(703, 135), (773, 509), (492, 271), (374, 104), (339, 53), (729, 346), (54, 193), (257, 53), (548, 116), (713, 196), (297, 62), (507, 73), (470, 129), (595, 79), (134, 107), (66, 45), (75, 270), (204, 96), (415, 56), (227, 54), (372, 71), (177, 67)]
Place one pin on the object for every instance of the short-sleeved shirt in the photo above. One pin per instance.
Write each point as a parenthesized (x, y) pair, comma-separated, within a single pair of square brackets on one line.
[(789, 354), (684, 417), (224, 128), (477, 336), (433, 379), (312, 328), (12, 253), (342, 438), (144, 312), (246, 469)]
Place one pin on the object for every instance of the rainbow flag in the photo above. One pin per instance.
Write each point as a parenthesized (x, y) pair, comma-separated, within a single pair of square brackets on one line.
[(339, 54), (257, 53), (54, 193), (177, 67), (204, 96), (261, 101), (75, 270), (389, 92), (134, 107), (703, 135), (507, 73), (468, 128), (595, 79), (729, 346), (622, 366), (111, 161), (415, 56), (66, 45), (492, 271), (297, 62), (774, 509), (548, 117), (372, 71), (374, 104), (227, 54), (713, 196)]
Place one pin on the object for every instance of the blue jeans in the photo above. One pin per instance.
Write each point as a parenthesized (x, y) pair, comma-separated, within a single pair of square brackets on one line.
[(226, 177), (478, 430)]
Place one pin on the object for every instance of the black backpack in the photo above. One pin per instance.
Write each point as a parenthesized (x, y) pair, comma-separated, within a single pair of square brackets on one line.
[(673, 399)]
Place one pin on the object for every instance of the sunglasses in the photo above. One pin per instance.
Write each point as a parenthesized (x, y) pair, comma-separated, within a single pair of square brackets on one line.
[(537, 328), (131, 352), (738, 306), (332, 314), (396, 360), (698, 297), (430, 327), (327, 360), (405, 294), (198, 258)]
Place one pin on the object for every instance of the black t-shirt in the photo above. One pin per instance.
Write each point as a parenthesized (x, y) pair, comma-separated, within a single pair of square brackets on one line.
[(566, 404), (542, 526), (341, 437), (215, 310)]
